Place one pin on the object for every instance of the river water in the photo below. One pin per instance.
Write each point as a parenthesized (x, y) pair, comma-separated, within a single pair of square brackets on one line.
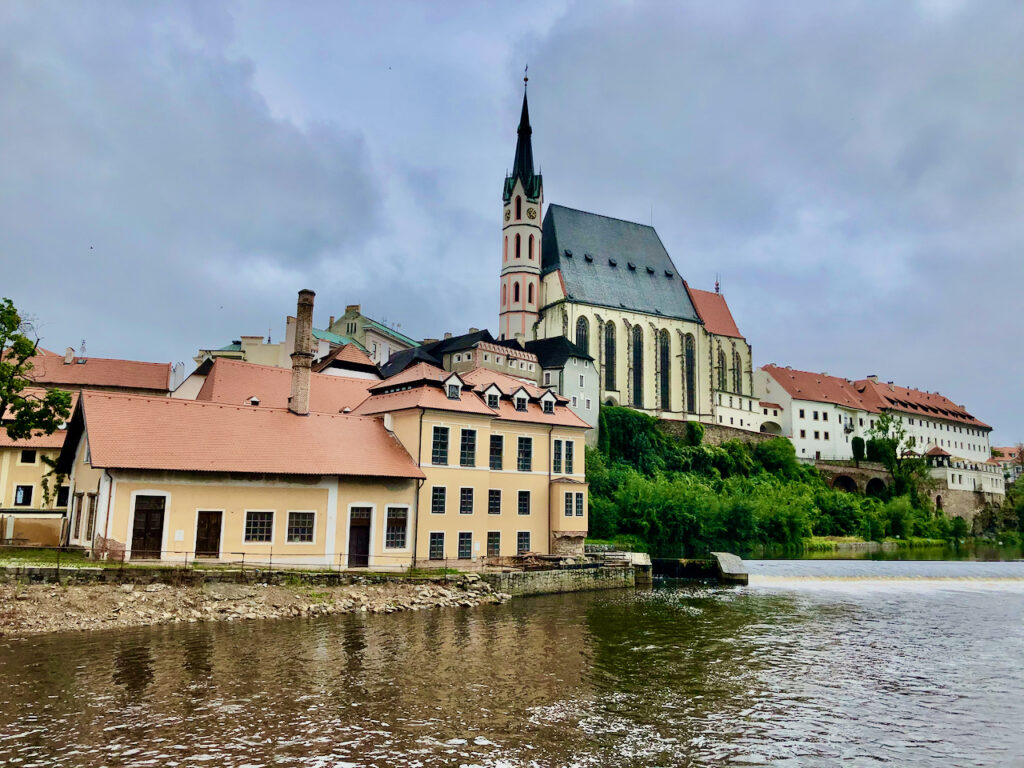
[(816, 663)]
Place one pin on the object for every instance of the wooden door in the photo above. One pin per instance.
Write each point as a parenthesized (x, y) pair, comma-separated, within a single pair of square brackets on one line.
[(359, 538), (208, 534), (148, 530)]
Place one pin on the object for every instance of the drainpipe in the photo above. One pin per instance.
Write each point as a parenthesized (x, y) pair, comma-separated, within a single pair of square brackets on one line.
[(110, 495), (419, 487)]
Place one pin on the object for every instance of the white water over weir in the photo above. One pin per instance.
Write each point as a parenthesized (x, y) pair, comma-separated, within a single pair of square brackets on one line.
[(807, 573)]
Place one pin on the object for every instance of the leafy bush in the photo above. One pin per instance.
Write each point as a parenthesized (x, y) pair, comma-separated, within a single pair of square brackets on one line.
[(857, 446)]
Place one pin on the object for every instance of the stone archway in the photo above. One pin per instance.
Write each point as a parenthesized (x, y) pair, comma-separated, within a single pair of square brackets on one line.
[(771, 428), (875, 487), (844, 483)]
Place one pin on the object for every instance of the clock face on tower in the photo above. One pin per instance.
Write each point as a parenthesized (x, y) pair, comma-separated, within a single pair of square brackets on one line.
[(531, 213), (508, 215)]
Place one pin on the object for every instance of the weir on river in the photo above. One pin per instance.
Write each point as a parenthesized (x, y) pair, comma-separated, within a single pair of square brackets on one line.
[(815, 663)]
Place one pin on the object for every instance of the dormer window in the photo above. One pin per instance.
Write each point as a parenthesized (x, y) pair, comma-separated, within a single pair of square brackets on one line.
[(520, 403), (549, 406), (492, 401), (453, 391)]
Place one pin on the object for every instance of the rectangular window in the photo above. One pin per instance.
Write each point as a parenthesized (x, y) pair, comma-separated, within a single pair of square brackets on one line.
[(467, 449), (397, 526), (803, 433), (826, 435), (574, 401), (259, 526), (522, 542), (524, 502), (492, 401), (494, 502), (300, 527), (497, 446), (438, 498), (439, 453), (465, 501), (581, 381), (568, 504), (28, 456), (547, 378), (520, 403), (23, 496), (90, 523), (436, 551), (549, 406), (62, 496), (569, 451), (453, 391), (78, 514), (801, 413), (579, 505), (465, 545), (588, 403), (817, 435), (525, 456), (824, 415), (556, 457), (815, 415), (493, 543)]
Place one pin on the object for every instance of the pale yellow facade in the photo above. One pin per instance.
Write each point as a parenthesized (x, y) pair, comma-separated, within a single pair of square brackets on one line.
[(16, 473)]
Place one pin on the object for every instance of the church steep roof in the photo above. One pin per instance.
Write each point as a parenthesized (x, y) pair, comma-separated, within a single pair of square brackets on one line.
[(613, 263), (522, 165)]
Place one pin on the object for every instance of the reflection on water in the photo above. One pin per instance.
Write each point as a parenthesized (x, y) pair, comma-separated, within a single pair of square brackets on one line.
[(806, 667)]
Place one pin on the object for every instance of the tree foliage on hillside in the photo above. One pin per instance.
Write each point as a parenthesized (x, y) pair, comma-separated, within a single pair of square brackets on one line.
[(683, 498)]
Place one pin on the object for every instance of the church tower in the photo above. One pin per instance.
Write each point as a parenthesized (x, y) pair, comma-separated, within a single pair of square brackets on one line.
[(523, 199)]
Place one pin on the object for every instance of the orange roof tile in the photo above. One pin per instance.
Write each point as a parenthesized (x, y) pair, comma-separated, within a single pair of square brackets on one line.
[(482, 378), (715, 313), (56, 440), (50, 370), (423, 396), (346, 353), (819, 388), (234, 382), (771, 405), (414, 373), (534, 414), (1009, 453), (907, 400), (138, 432)]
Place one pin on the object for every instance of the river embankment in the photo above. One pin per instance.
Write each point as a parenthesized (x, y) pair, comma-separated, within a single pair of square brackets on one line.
[(33, 609)]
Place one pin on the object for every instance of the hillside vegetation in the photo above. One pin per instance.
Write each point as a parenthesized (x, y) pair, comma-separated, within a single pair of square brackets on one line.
[(680, 498)]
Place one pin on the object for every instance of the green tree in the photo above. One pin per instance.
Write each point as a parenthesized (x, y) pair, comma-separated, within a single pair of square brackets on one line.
[(895, 450), (857, 445), (22, 413)]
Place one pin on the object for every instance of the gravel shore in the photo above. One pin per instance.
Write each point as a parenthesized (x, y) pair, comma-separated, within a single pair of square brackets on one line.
[(41, 608)]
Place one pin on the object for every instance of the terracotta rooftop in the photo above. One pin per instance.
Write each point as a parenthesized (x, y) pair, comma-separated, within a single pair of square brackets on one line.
[(415, 373), (907, 400), (715, 313), (51, 370), (347, 353), (234, 382), (482, 378), (771, 405), (1009, 453), (162, 433), (423, 396), (56, 440), (820, 388), (936, 451)]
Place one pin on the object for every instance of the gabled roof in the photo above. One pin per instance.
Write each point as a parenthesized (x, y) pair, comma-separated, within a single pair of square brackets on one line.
[(554, 352), (482, 378), (51, 370), (819, 388), (335, 338), (234, 382), (715, 313), (381, 328), (613, 263), (418, 373), (1008, 453), (163, 433), (347, 356), (423, 395), (936, 451), (907, 400), (522, 165), (404, 358), (36, 441)]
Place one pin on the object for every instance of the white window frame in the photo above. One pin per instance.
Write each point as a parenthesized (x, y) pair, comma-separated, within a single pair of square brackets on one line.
[(408, 529), (287, 525), (245, 523)]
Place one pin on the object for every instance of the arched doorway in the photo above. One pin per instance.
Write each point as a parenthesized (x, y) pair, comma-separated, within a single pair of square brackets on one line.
[(875, 487)]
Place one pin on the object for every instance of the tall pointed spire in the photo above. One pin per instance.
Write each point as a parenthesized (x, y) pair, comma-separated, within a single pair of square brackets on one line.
[(522, 166)]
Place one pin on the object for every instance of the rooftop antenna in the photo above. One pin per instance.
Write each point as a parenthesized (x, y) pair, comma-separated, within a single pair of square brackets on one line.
[(81, 349), (268, 335), (718, 285)]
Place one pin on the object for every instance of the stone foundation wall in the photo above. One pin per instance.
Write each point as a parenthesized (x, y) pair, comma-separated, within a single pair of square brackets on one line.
[(714, 434), (555, 582), (965, 504), (568, 543)]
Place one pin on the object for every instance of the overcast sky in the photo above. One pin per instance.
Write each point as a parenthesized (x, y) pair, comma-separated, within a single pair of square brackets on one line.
[(172, 173)]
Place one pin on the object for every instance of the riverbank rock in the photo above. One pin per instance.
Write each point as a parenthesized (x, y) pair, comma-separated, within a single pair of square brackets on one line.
[(38, 609)]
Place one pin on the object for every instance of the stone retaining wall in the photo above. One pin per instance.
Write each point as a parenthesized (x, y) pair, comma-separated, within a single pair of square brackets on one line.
[(714, 434), (518, 583)]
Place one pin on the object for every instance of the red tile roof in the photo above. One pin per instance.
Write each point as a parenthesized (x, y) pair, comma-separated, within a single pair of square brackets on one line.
[(715, 313), (423, 396), (482, 378), (1009, 453), (154, 433), (234, 382), (56, 440), (413, 374), (771, 405), (820, 388), (936, 451), (346, 353), (50, 370), (907, 400)]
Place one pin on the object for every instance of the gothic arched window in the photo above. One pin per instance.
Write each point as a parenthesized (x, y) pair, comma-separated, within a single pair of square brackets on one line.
[(519, 246), (519, 207), (690, 359), (737, 373), (638, 366), (665, 363), (529, 294), (504, 294), (530, 252), (583, 334), (505, 257), (515, 293), (609, 355), (722, 375)]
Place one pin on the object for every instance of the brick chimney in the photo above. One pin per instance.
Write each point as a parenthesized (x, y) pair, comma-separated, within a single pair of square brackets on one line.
[(69, 356), (302, 357)]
